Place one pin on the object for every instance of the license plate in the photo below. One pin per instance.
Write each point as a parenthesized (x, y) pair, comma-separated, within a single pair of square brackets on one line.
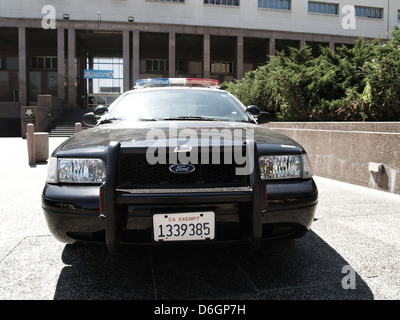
[(184, 226)]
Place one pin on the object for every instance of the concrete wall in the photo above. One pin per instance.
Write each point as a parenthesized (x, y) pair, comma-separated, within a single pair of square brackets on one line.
[(41, 115), (9, 109), (194, 12), (345, 150), (9, 119)]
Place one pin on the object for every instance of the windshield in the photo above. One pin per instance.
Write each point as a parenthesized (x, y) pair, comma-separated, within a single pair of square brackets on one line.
[(176, 104)]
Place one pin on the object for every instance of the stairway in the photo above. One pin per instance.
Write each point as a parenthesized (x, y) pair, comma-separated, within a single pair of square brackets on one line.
[(65, 126)]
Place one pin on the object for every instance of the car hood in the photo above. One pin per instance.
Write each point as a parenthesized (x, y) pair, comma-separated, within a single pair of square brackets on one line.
[(144, 134)]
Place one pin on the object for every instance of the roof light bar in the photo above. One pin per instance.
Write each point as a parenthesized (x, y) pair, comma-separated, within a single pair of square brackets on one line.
[(162, 82), (153, 82), (201, 82)]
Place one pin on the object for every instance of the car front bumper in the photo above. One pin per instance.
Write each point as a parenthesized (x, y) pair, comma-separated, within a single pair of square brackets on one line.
[(280, 210)]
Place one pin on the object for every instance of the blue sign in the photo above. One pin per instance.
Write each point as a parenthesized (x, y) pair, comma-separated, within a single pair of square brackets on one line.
[(98, 74)]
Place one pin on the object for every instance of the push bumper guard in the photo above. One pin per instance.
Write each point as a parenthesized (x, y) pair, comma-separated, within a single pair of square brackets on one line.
[(110, 197)]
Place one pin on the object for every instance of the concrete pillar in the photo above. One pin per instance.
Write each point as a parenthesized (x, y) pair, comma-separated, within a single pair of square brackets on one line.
[(23, 71), (90, 81), (332, 45), (126, 59), (72, 92), (239, 57), (171, 55), (41, 142), (206, 56), (60, 64), (30, 141), (78, 127), (135, 56), (272, 46)]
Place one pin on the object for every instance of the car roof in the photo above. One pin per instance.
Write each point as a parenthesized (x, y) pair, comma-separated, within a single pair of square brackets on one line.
[(174, 87), (176, 82)]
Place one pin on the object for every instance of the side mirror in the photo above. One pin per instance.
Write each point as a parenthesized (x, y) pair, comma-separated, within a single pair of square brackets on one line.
[(89, 119), (264, 117), (100, 110), (254, 110), (260, 116)]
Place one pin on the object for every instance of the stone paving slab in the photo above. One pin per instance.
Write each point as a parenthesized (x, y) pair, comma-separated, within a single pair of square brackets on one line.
[(354, 226)]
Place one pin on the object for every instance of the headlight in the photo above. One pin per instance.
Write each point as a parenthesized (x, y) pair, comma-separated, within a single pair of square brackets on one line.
[(67, 170), (284, 167), (307, 173), (52, 170)]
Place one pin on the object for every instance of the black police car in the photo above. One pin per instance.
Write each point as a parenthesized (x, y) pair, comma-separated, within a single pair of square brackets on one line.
[(178, 160)]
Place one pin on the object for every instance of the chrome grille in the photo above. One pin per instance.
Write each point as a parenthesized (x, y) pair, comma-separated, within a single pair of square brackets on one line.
[(134, 171)]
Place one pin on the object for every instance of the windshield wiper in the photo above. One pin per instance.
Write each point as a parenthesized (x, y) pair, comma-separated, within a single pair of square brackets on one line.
[(191, 118), (111, 120), (108, 120), (147, 119)]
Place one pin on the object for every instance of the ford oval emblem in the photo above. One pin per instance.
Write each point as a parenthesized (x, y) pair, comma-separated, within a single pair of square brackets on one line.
[(182, 168)]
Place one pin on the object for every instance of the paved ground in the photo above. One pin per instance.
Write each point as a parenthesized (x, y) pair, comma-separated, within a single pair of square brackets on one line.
[(355, 229)]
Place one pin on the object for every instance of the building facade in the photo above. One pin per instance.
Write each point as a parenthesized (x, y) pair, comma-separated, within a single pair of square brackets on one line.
[(45, 47)]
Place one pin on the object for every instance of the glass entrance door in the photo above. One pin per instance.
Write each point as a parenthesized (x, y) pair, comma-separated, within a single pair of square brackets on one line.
[(106, 82)]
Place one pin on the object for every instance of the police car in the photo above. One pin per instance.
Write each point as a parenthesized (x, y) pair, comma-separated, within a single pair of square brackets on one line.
[(178, 161)]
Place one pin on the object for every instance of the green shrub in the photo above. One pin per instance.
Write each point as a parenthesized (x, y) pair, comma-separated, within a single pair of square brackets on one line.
[(361, 83)]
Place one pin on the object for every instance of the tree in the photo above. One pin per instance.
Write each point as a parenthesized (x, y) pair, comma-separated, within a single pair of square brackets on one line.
[(361, 83)]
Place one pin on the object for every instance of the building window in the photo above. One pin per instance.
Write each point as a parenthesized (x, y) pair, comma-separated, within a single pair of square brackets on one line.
[(322, 7), (180, 1), (156, 65), (368, 12), (235, 3), (113, 85), (180, 65), (44, 63), (398, 15), (222, 67), (275, 4)]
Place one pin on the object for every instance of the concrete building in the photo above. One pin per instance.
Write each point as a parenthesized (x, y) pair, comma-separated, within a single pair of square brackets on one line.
[(45, 47)]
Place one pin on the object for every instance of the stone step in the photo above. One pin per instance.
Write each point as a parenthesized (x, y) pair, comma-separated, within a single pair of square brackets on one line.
[(65, 132), (65, 127)]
